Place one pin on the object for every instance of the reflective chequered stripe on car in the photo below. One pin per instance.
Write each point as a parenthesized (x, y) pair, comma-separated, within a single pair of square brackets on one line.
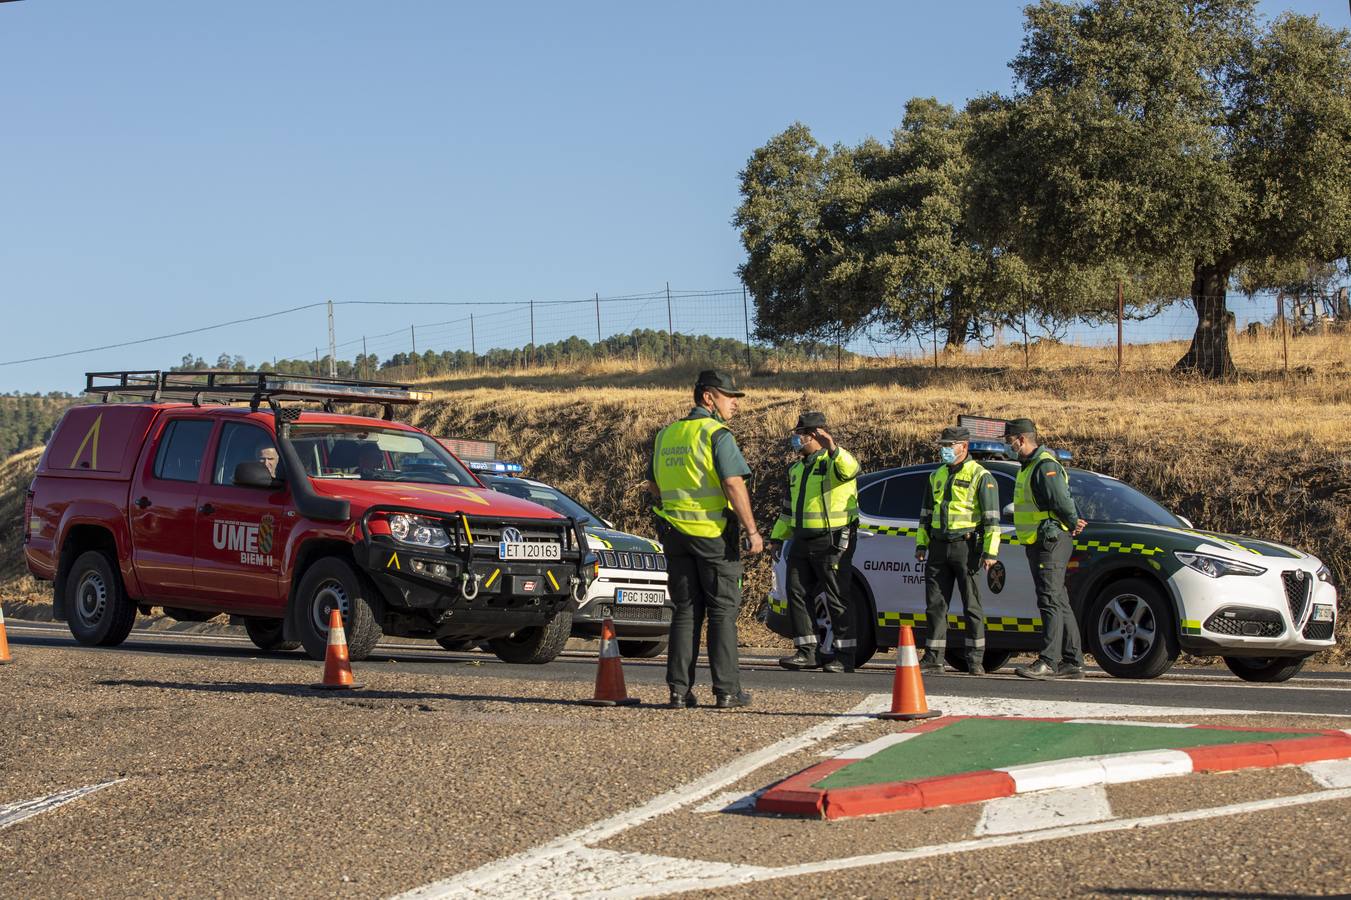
[(1011, 537), (1191, 626), (992, 623)]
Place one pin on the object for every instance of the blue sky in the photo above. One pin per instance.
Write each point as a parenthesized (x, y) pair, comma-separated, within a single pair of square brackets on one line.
[(169, 165)]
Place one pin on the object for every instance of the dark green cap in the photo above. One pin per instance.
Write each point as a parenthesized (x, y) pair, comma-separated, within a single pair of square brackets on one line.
[(954, 434), (718, 381), (809, 421), (1020, 426)]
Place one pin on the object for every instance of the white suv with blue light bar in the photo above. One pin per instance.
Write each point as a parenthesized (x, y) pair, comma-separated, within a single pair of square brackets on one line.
[(629, 583)]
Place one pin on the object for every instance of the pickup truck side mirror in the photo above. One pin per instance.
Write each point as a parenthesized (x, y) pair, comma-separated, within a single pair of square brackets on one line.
[(255, 475)]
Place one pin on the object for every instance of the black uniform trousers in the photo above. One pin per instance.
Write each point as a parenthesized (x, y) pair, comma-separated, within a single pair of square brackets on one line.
[(1048, 558), (949, 563), (704, 579), (822, 563)]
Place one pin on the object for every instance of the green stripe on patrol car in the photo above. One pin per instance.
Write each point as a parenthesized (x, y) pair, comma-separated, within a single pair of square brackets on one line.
[(992, 623)]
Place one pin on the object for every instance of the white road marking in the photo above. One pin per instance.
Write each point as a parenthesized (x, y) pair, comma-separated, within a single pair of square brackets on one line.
[(1112, 768), (1045, 809), (15, 813), (863, 751), (1330, 773), (572, 860), (497, 879), (1069, 709), (730, 801)]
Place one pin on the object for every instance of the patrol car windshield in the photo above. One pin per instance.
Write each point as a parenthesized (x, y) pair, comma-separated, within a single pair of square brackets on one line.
[(545, 496), (1102, 499), (375, 454)]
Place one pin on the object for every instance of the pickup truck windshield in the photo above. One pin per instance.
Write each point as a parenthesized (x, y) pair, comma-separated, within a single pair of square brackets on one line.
[(375, 454), (1102, 499)]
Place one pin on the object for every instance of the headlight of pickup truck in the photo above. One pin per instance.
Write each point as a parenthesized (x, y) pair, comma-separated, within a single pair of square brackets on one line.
[(1215, 566), (418, 530)]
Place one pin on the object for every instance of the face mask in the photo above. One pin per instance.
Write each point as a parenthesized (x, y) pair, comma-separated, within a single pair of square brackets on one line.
[(947, 454), (795, 442)]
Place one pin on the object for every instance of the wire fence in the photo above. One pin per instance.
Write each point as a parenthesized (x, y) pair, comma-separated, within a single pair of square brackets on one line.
[(1264, 333)]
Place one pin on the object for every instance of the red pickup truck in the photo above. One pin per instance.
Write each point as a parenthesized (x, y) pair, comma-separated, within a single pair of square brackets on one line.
[(277, 514)]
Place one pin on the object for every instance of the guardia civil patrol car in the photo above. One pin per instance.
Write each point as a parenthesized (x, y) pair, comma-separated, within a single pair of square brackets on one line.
[(629, 571), (1144, 583)]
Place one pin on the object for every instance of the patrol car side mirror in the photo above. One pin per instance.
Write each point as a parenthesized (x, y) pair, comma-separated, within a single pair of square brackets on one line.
[(255, 475), (608, 524), (1007, 510), (1186, 521)]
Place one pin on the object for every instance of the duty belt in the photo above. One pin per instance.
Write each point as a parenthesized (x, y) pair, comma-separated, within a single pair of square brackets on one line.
[(954, 538)]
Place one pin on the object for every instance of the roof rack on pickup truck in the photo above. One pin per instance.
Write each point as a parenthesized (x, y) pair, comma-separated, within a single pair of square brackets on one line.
[(254, 388)]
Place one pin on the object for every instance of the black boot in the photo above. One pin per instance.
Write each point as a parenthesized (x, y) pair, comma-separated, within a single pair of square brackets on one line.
[(833, 665), (930, 662), (804, 658)]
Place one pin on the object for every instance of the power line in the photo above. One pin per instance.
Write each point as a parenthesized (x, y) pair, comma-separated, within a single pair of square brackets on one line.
[(163, 337)]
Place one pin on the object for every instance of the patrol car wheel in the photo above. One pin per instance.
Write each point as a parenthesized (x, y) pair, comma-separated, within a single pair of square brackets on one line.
[(865, 623), (536, 645), (641, 649), (1264, 668), (97, 610), (333, 583), (1131, 631), (993, 660), (266, 634)]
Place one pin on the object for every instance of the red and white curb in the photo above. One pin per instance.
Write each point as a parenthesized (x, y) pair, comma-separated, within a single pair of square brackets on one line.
[(798, 796)]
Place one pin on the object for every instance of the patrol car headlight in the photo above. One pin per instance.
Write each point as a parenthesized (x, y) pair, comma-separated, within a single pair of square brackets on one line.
[(1215, 566), (1325, 574), (418, 530)]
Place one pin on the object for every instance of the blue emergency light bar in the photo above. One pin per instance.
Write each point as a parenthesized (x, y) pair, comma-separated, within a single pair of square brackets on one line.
[(997, 447), (500, 468)]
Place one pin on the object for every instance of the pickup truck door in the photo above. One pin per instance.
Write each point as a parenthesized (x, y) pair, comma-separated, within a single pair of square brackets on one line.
[(241, 532), (163, 508)]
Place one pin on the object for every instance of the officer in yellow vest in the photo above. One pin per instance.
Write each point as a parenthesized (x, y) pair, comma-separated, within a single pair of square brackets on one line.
[(820, 514), (958, 534), (704, 521), (1047, 523)]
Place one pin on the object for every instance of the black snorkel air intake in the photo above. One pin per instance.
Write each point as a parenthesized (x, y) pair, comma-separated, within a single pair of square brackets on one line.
[(309, 502)]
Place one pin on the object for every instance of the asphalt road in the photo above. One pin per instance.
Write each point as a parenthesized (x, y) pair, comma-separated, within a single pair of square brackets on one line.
[(1313, 693)]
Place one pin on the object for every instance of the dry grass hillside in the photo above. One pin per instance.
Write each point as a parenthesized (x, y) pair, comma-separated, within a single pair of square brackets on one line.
[(1266, 455)]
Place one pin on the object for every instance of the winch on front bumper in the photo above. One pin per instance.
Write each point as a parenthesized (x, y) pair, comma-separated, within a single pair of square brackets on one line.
[(479, 575)]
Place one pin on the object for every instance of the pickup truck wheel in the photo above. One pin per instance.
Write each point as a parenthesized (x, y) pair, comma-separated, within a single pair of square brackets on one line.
[(333, 583), (1264, 668), (642, 649), (1131, 631), (456, 645), (97, 609), (536, 645), (266, 634)]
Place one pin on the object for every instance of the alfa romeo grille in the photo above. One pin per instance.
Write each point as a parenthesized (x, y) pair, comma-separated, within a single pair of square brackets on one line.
[(1298, 585)]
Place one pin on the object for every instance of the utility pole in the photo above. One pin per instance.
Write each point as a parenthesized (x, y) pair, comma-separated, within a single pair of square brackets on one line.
[(473, 344), (670, 327), (598, 319), (365, 360), (332, 345), (412, 334), (1285, 345), (531, 359), (933, 321)]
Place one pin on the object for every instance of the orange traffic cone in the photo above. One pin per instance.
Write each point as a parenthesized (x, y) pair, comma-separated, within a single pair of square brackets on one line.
[(610, 673), (907, 690), (337, 668), (4, 641)]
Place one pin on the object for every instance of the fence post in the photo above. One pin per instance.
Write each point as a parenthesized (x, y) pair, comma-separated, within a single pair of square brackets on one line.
[(1285, 343), (670, 327), (746, 311), (1120, 312)]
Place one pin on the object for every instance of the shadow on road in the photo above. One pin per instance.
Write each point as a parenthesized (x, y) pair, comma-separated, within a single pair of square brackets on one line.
[(363, 694)]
